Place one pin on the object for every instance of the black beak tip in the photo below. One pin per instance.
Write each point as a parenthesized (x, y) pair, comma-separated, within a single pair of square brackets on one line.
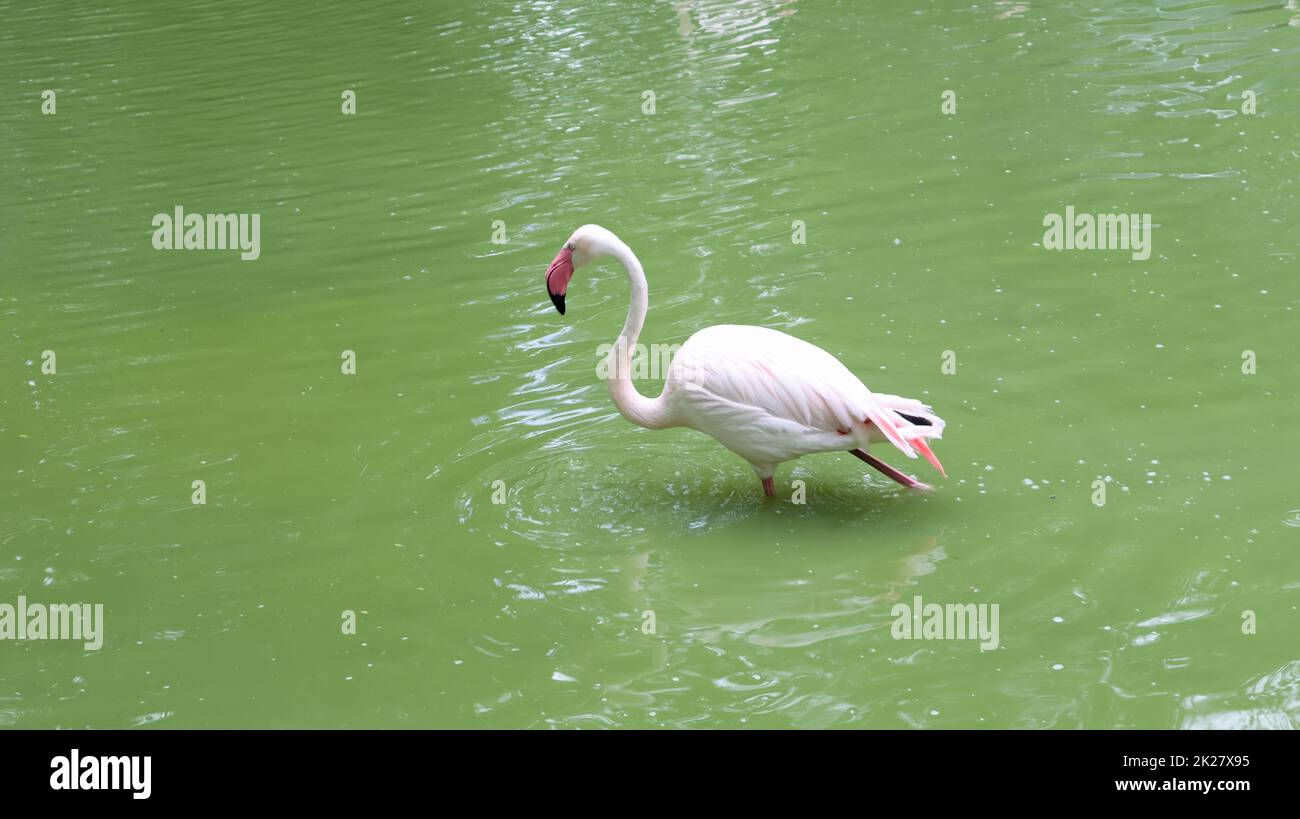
[(558, 300)]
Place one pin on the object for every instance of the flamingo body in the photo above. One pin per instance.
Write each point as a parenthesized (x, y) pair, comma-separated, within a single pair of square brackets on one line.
[(770, 398), (765, 395)]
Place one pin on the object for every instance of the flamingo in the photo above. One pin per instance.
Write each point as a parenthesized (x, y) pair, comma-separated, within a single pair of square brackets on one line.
[(767, 396)]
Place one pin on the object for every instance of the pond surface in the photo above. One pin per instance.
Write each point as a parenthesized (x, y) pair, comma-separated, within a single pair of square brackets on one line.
[(923, 269)]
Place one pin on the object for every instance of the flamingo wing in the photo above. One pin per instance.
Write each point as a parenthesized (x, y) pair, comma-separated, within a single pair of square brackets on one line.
[(776, 385)]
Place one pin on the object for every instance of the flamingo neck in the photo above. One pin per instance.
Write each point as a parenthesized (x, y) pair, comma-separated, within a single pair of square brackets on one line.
[(651, 413)]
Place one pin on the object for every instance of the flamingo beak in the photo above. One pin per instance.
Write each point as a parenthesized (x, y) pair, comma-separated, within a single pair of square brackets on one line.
[(558, 276)]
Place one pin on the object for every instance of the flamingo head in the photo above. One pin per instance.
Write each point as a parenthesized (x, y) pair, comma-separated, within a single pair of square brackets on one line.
[(587, 244)]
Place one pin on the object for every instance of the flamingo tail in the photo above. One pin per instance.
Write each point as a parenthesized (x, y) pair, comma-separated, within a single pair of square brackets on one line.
[(909, 427)]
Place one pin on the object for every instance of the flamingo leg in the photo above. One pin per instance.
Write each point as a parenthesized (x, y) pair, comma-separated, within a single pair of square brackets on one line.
[(889, 471), (769, 488)]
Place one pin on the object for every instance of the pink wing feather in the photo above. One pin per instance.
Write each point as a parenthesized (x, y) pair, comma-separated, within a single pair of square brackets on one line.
[(790, 379)]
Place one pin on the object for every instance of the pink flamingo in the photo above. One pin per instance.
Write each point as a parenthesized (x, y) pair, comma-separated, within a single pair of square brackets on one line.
[(766, 396)]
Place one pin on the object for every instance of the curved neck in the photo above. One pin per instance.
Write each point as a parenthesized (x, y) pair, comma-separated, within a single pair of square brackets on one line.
[(632, 405)]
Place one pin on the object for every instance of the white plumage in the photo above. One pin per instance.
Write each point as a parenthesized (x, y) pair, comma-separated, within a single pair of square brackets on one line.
[(765, 395)]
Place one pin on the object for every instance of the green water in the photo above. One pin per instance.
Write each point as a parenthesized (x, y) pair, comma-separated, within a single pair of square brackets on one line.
[(373, 492)]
